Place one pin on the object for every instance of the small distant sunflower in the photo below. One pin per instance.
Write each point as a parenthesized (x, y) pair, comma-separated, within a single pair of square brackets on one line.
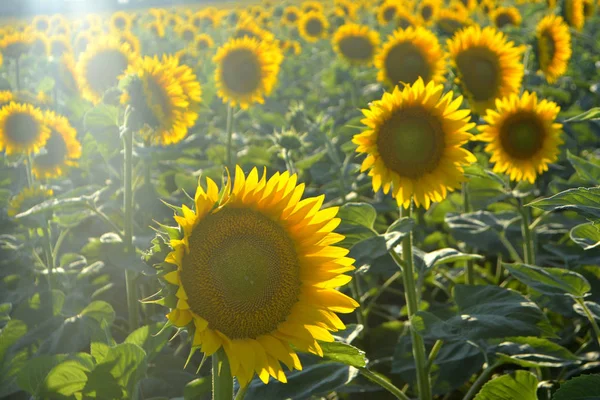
[(27, 198), (120, 21), (131, 39), (246, 27), (291, 15), (387, 12), (203, 42), (291, 47), (41, 23), (428, 10), (487, 6), (347, 7), (22, 129), (187, 32), (488, 66), (63, 29), (156, 28), (39, 44), (413, 143), (553, 47), (503, 16), (356, 43), (406, 19), (82, 40), (573, 13), (59, 45), (589, 7), (409, 54), (256, 272), (100, 67), (470, 5), (246, 71), (312, 6), (62, 148), (205, 18), (58, 20), (6, 96), (173, 21), (15, 45), (523, 136), (313, 26), (451, 21)]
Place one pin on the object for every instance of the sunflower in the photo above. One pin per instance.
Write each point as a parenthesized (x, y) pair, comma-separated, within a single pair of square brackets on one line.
[(387, 12), (413, 143), (58, 20), (130, 39), (27, 198), (59, 45), (120, 21), (255, 273), (62, 148), (406, 19), (40, 45), (66, 75), (15, 45), (409, 54), (187, 32), (6, 96), (347, 7), (573, 13), (22, 129), (523, 136), (451, 21), (173, 21), (428, 10), (246, 27), (82, 40), (313, 26), (205, 18), (470, 5), (291, 15), (291, 47), (589, 7), (101, 65), (488, 6), (40, 23), (312, 6), (156, 28), (553, 47), (488, 66), (246, 71), (203, 42), (63, 29), (356, 43), (503, 16)]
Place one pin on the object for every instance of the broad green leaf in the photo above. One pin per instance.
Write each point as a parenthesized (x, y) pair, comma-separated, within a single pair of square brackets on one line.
[(445, 256), (197, 388), (398, 231), (584, 387), (344, 353), (591, 114), (102, 119), (535, 352), (481, 229), (9, 335), (585, 201), (32, 377), (151, 338), (585, 169), (586, 235), (99, 311), (357, 222), (551, 281), (520, 385), (68, 377), (592, 306)]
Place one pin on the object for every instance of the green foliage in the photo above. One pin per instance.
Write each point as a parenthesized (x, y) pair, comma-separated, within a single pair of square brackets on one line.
[(520, 385)]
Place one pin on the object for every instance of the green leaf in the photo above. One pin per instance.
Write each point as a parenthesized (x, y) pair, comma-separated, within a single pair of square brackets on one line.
[(592, 306), (32, 377), (585, 201), (585, 169), (101, 119), (591, 114), (362, 214), (99, 311), (12, 332), (69, 377), (197, 388), (398, 231), (151, 338), (445, 256), (586, 235), (344, 353), (550, 281), (520, 385), (584, 387), (535, 352)]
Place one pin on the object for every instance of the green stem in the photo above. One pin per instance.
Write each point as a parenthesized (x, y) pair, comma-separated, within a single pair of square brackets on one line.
[(229, 128), (433, 354), (529, 254), (49, 261), (412, 305), (18, 73), (469, 266), (481, 380), (29, 170), (375, 378), (354, 288), (591, 318), (221, 377), (130, 286), (241, 393)]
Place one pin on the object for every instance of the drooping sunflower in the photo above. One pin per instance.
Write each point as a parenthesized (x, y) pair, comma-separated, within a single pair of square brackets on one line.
[(120, 21), (58, 20), (15, 45), (409, 54), (59, 45), (488, 66), (313, 26), (413, 143), (101, 65), (165, 96), (523, 136), (203, 42), (355, 43), (553, 47), (63, 29), (387, 12), (506, 16), (41, 23), (347, 7), (27, 198), (22, 129), (255, 274), (246, 71), (573, 13), (291, 15), (451, 21), (62, 148), (406, 19)]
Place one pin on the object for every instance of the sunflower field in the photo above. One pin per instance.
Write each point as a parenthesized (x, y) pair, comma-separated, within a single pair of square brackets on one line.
[(336, 199)]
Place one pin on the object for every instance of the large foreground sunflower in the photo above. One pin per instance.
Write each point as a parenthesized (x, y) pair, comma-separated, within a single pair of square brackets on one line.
[(62, 148), (255, 273), (488, 66), (413, 143), (356, 43), (409, 54), (313, 26), (553, 47), (246, 71), (22, 129), (523, 136), (101, 65)]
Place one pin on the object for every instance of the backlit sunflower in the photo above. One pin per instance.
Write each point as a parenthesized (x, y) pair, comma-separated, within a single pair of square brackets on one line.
[(409, 54), (451, 21), (573, 13), (406, 19), (15, 45), (130, 39), (39, 44), (59, 45), (387, 12), (41, 23), (256, 273), (101, 65), (165, 96), (173, 21), (246, 71), (291, 15), (66, 75), (313, 26), (205, 18), (413, 143), (355, 43), (63, 29), (246, 27), (428, 10), (523, 136), (62, 148), (187, 32), (506, 16), (58, 20), (203, 42), (27, 198), (312, 6), (22, 129), (81, 41), (488, 66), (553, 47), (156, 28), (120, 21)]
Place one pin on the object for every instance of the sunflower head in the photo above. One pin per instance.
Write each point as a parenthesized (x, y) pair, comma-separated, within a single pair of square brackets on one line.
[(246, 27), (313, 26), (488, 6), (254, 271), (451, 21), (488, 66), (15, 45), (27, 198), (130, 39), (203, 42), (22, 129), (428, 10), (157, 28), (187, 32), (506, 16), (291, 47), (410, 54), (406, 19), (413, 143), (40, 45), (60, 45), (291, 15), (356, 43), (553, 45), (81, 41), (120, 21), (573, 13), (387, 12), (40, 23), (246, 71), (312, 6), (522, 135)]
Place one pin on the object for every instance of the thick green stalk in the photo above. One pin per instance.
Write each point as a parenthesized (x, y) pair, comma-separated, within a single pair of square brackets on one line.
[(229, 129), (470, 266), (132, 297), (399, 394), (222, 381), (528, 250), (485, 375), (18, 73), (241, 393), (49, 261), (591, 318)]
